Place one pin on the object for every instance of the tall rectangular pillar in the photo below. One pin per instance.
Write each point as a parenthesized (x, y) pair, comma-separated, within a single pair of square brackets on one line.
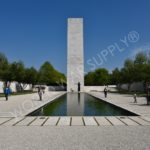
[(75, 56)]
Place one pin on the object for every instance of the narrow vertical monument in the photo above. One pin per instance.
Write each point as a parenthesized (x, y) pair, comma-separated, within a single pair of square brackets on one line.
[(75, 58)]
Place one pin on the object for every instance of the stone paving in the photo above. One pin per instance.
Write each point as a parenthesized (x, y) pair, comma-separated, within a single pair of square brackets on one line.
[(123, 101), (75, 121), (75, 132), (126, 102), (21, 105), (75, 138)]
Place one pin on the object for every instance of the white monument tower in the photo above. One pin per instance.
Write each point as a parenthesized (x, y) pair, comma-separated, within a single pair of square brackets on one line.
[(75, 60)]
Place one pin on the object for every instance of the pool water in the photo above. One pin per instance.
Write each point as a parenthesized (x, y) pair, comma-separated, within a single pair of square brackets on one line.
[(80, 104)]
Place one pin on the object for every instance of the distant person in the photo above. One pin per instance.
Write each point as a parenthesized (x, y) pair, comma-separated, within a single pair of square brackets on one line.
[(79, 86), (7, 92), (40, 92), (105, 92), (135, 98), (43, 90)]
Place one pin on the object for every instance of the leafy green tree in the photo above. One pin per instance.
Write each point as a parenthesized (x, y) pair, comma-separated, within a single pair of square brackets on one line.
[(89, 78), (4, 67), (31, 76), (48, 75), (142, 68), (17, 73), (98, 77), (101, 76), (128, 72), (141, 58), (116, 76)]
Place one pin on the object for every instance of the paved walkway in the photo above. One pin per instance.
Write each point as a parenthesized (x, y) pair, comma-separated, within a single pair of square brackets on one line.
[(22, 105), (126, 102), (73, 133), (75, 138)]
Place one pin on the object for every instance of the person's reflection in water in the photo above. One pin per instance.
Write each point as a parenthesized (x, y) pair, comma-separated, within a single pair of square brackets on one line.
[(79, 98), (41, 112)]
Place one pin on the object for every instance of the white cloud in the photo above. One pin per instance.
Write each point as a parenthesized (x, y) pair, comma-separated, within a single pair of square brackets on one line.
[(144, 49)]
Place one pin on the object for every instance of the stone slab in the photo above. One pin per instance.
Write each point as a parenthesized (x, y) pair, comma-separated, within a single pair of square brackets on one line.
[(26, 121), (128, 121), (2, 120), (140, 121), (146, 118), (52, 121), (13, 121), (89, 121), (64, 121), (102, 121), (38, 121), (77, 121), (115, 121)]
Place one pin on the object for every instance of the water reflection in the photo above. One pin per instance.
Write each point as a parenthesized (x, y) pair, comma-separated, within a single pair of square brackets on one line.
[(78, 98), (75, 104), (41, 112), (79, 104)]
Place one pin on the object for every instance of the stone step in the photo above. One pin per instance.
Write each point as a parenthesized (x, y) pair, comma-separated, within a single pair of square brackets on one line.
[(90, 121), (115, 121), (128, 121), (102, 121), (77, 121), (13, 121), (64, 121), (26, 121), (140, 121), (3, 120), (146, 118), (52, 121), (38, 121)]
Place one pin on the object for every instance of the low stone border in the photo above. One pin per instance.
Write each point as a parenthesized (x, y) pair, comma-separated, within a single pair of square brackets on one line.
[(76, 121)]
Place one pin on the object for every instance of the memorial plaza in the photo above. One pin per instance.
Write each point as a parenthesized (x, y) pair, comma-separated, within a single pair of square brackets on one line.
[(101, 101)]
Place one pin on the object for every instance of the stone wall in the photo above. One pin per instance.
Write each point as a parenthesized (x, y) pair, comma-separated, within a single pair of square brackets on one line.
[(56, 88), (137, 86), (99, 88), (86, 88), (15, 86), (1, 87)]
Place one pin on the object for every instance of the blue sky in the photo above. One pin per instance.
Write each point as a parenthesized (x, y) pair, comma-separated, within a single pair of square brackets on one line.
[(36, 30)]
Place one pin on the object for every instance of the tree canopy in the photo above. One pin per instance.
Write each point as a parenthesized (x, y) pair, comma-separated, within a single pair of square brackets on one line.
[(134, 70), (98, 77), (49, 75), (16, 71)]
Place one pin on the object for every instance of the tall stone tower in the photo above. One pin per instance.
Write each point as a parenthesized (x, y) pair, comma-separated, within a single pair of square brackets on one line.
[(75, 58)]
